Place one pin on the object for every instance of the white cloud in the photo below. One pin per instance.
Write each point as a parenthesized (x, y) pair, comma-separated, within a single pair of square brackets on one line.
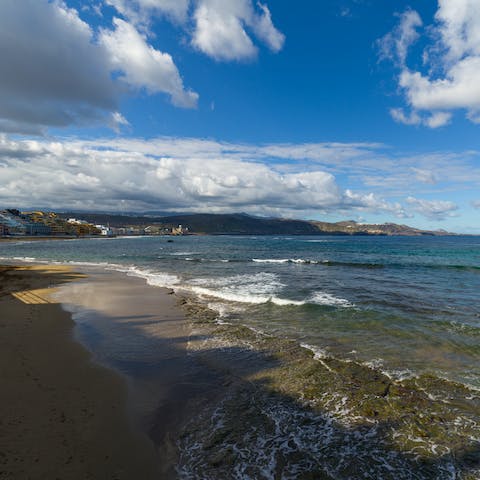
[(117, 120), (372, 203), (365, 165), (265, 30), (451, 79), (438, 119), (143, 66), (194, 174), (190, 175), (326, 153), (435, 120), (433, 209), (400, 116), (425, 176), (52, 75), (395, 44), (140, 12), (57, 74), (221, 29), (476, 204), (60, 71)]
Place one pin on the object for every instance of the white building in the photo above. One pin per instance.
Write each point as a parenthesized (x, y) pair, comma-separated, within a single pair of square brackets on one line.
[(105, 231)]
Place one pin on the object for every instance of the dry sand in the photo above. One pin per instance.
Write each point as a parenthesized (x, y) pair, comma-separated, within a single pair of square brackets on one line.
[(61, 416)]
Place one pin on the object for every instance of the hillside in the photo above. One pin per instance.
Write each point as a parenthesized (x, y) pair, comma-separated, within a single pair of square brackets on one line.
[(243, 224)]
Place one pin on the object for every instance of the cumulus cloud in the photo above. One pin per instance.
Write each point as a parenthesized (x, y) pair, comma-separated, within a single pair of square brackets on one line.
[(142, 66), (451, 77), (57, 70), (54, 72), (221, 29), (109, 174), (433, 209), (42, 84), (373, 203)]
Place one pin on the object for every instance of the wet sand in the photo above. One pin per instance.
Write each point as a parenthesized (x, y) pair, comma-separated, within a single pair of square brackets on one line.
[(62, 416), (141, 332)]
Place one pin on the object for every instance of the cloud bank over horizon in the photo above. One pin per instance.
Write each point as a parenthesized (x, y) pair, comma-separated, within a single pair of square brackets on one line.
[(192, 175)]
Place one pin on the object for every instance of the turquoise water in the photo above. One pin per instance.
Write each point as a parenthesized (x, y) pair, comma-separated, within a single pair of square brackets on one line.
[(406, 305)]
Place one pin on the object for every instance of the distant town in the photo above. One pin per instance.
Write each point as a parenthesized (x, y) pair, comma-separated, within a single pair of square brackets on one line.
[(14, 223)]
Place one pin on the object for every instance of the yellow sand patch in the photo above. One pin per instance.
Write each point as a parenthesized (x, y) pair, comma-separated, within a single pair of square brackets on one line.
[(32, 297)]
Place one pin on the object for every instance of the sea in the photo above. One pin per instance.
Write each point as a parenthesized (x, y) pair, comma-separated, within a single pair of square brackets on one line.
[(406, 307)]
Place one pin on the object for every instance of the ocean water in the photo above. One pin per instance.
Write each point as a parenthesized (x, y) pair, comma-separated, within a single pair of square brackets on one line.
[(408, 307)]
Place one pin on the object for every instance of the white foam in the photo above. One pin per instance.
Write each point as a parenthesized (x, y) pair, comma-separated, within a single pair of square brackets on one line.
[(190, 259), (318, 353), (229, 295), (90, 264), (284, 260), (25, 259), (256, 290), (243, 297), (324, 298), (286, 301), (399, 374), (253, 289), (375, 364), (155, 279), (270, 260)]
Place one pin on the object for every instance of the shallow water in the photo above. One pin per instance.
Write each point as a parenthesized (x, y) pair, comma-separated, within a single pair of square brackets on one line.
[(407, 305)]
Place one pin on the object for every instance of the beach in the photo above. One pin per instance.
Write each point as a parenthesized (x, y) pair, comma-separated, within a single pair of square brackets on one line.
[(109, 404), (62, 416), (200, 393)]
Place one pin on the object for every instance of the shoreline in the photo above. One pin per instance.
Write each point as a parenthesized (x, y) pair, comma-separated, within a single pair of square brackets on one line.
[(140, 332), (63, 416), (206, 392), (33, 239)]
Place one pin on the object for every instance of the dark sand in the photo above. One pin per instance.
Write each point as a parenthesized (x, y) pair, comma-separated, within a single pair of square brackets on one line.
[(61, 416), (140, 331)]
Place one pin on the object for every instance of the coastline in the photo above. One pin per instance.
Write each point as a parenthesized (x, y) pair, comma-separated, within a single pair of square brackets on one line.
[(62, 415), (218, 399), (33, 239)]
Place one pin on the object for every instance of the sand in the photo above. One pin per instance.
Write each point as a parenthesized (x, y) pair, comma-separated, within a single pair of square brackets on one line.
[(140, 331), (62, 416)]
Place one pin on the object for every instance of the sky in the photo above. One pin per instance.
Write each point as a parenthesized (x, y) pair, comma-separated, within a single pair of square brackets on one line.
[(340, 109)]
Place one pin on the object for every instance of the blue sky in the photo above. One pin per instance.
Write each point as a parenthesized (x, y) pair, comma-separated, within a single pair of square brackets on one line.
[(359, 109)]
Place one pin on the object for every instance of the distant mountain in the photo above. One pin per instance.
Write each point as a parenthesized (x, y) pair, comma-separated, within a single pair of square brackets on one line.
[(243, 224), (353, 228)]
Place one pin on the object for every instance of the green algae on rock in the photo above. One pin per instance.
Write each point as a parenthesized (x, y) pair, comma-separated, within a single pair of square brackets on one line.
[(290, 413)]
